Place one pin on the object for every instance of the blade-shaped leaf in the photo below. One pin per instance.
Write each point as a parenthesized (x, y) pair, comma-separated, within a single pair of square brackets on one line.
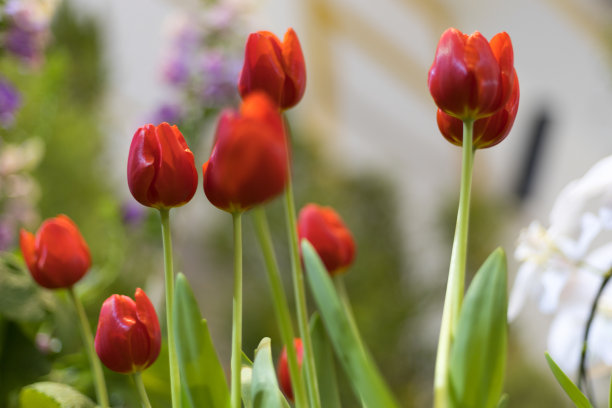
[(359, 366), (202, 376), (478, 353), (53, 395), (324, 361), (264, 386), (246, 376), (572, 391)]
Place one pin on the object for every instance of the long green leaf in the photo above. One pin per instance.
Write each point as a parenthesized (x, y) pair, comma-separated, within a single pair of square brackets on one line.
[(324, 361), (52, 395), (359, 366), (202, 377), (264, 386), (478, 353), (572, 391)]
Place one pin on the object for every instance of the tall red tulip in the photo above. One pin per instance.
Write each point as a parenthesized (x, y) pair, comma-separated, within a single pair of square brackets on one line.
[(57, 256), (161, 170), (282, 370), (128, 338), (326, 231), (471, 78), (488, 131), (248, 164), (276, 68)]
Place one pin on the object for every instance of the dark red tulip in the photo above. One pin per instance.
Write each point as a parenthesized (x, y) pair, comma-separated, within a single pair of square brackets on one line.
[(273, 67), (471, 78), (326, 231), (128, 338), (57, 256), (161, 171), (488, 131), (249, 160), (284, 377)]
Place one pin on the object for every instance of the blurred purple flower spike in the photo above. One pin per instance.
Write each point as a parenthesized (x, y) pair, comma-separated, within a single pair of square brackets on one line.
[(9, 103)]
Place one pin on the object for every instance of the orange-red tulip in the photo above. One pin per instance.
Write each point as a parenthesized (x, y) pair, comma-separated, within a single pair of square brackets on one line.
[(161, 171), (284, 377), (326, 231), (276, 68), (488, 131), (249, 160), (471, 78), (57, 256), (128, 338)]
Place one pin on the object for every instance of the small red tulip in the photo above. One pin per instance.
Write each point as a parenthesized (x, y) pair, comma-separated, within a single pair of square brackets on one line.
[(249, 160), (488, 131), (161, 171), (57, 256), (128, 338), (326, 231), (276, 68), (471, 78), (284, 377)]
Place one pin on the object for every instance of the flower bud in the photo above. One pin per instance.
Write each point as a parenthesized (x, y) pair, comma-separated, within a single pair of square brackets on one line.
[(284, 377), (326, 231), (249, 160), (57, 256), (161, 171), (128, 338), (273, 67)]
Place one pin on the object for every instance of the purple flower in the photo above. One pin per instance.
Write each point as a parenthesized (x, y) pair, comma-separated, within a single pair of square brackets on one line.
[(175, 69), (9, 102), (132, 213), (167, 112), (219, 75)]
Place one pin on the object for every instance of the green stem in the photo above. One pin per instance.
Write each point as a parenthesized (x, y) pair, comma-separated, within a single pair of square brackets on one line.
[(96, 365), (237, 313), (141, 389), (456, 274), (175, 385), (300, 300), (280, 304)]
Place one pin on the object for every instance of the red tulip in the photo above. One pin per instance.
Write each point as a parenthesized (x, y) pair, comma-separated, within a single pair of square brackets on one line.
[(128, 338), (326, 231), (249, 160), (276, 68), (471, 78), (284, 377), (488, 131), (161, 170), (57, 256)]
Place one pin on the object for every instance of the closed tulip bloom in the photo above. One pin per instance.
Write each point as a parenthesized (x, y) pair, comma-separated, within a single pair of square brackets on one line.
[(273, 67), (57, 256), (128, 338), (161, 170), (470, 77), (326, 231), (488, 131), (249, 160), (284, 377)]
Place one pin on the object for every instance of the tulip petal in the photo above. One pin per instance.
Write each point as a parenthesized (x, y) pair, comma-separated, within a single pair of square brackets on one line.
[(144, 152), (295, 69)]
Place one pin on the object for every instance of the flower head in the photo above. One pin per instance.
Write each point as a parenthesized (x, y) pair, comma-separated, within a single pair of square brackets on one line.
[(284, 376)]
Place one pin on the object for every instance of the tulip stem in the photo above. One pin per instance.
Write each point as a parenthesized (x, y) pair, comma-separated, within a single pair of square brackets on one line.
[(96, 365), (141, 389), (280, 304), (300, 299), (237, 312), (175, 385), (456, 274)]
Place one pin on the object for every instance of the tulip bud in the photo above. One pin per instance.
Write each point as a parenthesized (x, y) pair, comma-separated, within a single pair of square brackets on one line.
[(284, 377), (57, 256), (128, 338), (273, 67), (488, 131), (471, 78), (249, 160), (161, 171), (326, 231)]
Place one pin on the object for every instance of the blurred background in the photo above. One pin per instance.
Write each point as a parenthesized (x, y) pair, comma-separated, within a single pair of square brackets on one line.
[(78, 77)]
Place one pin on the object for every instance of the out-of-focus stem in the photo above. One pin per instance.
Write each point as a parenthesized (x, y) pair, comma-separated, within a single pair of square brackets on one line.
[(237, 312), (141, 389)]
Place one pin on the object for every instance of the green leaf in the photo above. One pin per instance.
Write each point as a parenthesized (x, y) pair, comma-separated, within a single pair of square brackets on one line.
[(478, 353), (246, 376), (202, 376), (324, 361), (53, 395), (503, 401), (264, 387), (572, 391), (359, 366)]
